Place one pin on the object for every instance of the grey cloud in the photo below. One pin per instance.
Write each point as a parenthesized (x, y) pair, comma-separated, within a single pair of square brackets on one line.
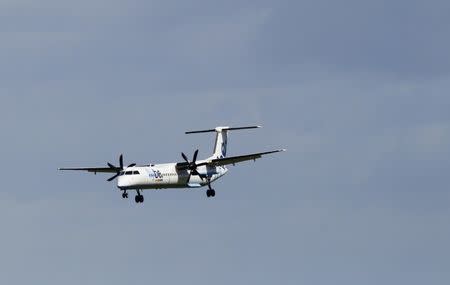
[(403, 39)]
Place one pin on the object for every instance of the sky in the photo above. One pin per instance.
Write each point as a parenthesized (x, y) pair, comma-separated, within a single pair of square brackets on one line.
[(357, 91)]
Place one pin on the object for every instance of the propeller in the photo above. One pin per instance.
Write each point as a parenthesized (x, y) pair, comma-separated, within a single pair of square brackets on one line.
[(192, 166), (118, 168)]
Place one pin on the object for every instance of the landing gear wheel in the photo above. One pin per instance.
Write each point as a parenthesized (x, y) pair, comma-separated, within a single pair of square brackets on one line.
[(210, 193), (124, 195), (213, 193), (139, 199)]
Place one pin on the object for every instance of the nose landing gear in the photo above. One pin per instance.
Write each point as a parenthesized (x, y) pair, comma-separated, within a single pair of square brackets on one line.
[(124, 195), (139, 198)]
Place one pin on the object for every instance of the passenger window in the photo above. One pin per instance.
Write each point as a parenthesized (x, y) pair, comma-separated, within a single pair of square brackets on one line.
[(128, 172)]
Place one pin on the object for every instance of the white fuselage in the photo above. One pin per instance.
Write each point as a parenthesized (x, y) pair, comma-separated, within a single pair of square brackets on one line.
[(162, 176), (188, 173)]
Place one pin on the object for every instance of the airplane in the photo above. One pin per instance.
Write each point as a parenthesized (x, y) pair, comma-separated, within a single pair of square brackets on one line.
[(187, 174)]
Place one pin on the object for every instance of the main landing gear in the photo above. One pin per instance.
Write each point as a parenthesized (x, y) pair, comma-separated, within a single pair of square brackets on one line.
[(139, 198), (210, 192), (125, 195)]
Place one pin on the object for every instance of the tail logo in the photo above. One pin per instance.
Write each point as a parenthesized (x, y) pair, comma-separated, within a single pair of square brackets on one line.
[(224, 147)]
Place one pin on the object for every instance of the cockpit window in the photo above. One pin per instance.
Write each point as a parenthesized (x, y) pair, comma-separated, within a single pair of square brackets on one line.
[(128, 172), (135, 172)]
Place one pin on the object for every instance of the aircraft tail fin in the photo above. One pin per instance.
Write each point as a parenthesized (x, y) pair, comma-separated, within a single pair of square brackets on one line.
[(220, 146)]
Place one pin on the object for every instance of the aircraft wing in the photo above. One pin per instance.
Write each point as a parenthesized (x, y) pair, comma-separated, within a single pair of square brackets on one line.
[(236, 159), (94, 169)]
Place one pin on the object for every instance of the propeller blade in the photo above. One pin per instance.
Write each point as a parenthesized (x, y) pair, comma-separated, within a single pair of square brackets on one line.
[(121, 161), (185, 157), (131, 165), (111, 166), (192, 166), (112, 178), (194, 159), (195, 172), (189, 178)]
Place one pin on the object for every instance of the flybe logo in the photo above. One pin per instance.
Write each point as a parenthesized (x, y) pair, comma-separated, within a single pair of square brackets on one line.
[(156, 174)]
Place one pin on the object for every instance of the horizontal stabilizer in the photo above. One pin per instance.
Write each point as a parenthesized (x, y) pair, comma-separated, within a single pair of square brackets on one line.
[(220, 129)]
